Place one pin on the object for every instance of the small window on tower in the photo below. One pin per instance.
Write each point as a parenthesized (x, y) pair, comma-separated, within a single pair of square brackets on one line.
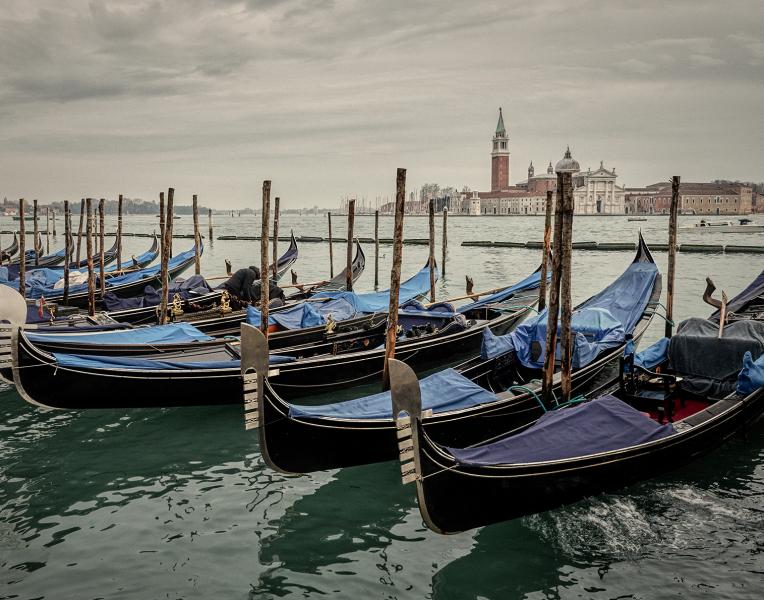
[(504, 145), (496, 145)]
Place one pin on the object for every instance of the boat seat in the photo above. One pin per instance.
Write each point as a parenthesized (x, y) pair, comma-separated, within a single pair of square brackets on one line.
[(649, 391)]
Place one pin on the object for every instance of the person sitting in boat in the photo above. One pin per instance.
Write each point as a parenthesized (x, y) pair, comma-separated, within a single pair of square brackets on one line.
[(240, 285), (276, 296)]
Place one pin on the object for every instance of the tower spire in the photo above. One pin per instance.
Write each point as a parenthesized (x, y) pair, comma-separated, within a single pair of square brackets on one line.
[(500, 129)]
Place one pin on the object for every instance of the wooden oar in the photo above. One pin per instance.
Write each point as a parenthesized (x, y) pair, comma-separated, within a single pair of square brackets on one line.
[(471, 296)]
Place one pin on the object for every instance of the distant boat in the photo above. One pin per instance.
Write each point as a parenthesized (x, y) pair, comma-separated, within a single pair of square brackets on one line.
[(160, 216), (744, 226), (26, 218), (637, 219)]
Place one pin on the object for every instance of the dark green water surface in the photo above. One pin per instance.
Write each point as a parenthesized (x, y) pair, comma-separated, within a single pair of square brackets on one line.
[(177, 503)]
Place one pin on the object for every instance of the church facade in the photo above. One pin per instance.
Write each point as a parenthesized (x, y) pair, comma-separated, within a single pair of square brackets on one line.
[(595, 192)]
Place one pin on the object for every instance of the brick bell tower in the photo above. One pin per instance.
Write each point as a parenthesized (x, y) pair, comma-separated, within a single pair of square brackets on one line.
[(500, 157)]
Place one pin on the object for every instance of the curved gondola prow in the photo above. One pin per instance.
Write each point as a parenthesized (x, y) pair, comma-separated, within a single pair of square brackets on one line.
[(9, 252), (406, 398), (13, 316), (643, 251), (254, 370)]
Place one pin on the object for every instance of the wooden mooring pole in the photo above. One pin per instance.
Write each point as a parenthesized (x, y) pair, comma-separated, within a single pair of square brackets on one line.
[(79, 231), (331, 251), (444, 243), (376, 249), (119, 233), (209, 224), (546, 250), (276, 202), (674, 211), (264, 289), (47, 230), (54, 224), (566, 333), (36, 233), (431, 260), (197, 238), (395, 275), (89, 250), (22, 250), (68, 249), (101, 264), (161, 225), (349, 260), (165, 226)]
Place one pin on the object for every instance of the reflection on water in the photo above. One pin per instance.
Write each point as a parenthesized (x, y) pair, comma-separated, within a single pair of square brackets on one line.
[(178, 503)]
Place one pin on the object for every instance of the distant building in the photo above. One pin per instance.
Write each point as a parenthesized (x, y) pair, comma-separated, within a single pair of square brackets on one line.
[(595, 192), (694, 198)]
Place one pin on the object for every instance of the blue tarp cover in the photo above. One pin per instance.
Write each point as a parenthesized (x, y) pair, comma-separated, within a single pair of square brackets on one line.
[(531, 282), (652, 356), (160, 334), (442, 391), (751, 378), (599, 323), (754, 289), (79, 361), (600, 425), (37, 289), (305, 314), (372, 302)]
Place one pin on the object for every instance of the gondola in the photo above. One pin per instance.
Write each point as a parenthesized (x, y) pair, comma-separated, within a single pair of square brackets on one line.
[(110, 256), (10, 251), (748, 304), (125, 285), (648, 423), (201, 374), (205, 307), (49, 260), (301, 439)]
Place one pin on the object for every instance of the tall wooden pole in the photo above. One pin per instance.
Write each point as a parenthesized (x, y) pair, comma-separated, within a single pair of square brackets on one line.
[(395, 275), (197, 238), (546, 250), (166, 226), (22, 250), (566, 333), (47, 230), (554, 299), (54, 224), (349, 258), (68, 250), (264, 289), (376, 249), (331, 248), (119, 233), (36, 234), (275, 237), (89, 250), (101, 264), (673, 214), (209, 224), (79, 231), (444, 243), (431, 261), (162, 224)]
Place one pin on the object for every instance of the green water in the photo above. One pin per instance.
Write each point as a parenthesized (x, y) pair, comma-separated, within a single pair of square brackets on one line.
[(176, 503)]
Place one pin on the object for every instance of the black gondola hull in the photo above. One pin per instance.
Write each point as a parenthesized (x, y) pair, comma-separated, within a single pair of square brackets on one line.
[(454, 498)]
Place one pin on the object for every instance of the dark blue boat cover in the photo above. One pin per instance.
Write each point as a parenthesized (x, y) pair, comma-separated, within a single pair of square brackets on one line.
[(187, 289), (756, 288), (305, 314), (173, 333), (372, 302), (80, 361), (529, 283), (751, 378), (652, 356), (598, 324), (442, 392), (600, 425)]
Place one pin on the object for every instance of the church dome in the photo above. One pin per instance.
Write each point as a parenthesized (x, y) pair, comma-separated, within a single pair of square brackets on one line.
[(567, 164)]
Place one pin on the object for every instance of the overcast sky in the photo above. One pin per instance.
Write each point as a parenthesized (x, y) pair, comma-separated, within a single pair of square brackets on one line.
[(327, 98)]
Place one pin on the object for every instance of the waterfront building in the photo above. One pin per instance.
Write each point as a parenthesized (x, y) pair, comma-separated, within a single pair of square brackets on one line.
[(694, 199), (595, 193)]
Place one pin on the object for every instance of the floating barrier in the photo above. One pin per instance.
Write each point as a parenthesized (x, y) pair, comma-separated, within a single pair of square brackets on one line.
[(335, 240), (623, 246)]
